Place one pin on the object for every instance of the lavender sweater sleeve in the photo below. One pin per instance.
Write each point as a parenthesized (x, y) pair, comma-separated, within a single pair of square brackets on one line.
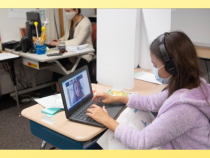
[(168, 126), (147, 103)]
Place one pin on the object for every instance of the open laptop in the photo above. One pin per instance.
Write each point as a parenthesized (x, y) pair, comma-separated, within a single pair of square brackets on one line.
[(76, 92)]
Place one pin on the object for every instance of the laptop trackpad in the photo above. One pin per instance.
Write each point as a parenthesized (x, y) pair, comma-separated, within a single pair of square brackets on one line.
[(114, 108)]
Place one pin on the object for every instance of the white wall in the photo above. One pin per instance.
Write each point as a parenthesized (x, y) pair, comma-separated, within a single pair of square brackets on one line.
[(88, 12), (51, 27), (9, 30), (154, 22), (196, 24)]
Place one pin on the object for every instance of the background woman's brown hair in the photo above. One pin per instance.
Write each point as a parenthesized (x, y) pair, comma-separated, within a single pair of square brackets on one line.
[(79, 10), (180, 49)]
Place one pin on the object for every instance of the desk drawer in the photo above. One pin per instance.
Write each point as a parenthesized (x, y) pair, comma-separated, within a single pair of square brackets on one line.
[(30, 63), (35, 64)]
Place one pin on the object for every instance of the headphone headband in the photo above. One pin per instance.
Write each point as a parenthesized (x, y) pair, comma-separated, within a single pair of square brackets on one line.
[(169, 64), (161, 43)]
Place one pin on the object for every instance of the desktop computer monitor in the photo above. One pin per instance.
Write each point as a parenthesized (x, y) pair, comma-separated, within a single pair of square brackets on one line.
[(30, 27), (34, 17)]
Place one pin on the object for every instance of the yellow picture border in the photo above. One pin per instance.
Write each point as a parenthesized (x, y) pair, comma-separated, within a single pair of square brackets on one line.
[(105, 4)]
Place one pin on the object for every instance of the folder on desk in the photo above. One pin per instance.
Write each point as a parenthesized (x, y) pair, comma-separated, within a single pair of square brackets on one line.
[(79, 47), (51, 111)]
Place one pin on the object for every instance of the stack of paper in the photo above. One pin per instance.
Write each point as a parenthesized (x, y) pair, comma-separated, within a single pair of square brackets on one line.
[(4, 56), (76, 48), (134, 118), (146, 76), (52, 101)]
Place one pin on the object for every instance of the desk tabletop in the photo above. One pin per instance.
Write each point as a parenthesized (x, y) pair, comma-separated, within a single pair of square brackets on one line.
[(203, 52), (140, 87), (82, 132), (8, 59), (45, 58)]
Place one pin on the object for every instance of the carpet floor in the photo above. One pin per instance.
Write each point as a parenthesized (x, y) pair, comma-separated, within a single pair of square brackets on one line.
[(15, 130)]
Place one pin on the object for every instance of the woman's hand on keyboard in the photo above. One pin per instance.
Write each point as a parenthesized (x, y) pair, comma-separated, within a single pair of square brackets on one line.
[(101, 116), (98, 114), (104, 97)]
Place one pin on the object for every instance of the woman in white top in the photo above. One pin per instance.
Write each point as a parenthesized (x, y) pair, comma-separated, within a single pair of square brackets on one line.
[(78, 31)]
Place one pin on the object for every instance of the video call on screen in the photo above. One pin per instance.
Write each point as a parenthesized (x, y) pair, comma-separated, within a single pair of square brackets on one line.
[(76, 89)]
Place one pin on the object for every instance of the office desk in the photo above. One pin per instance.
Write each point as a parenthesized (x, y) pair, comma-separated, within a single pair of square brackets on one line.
[(204, 54), (40, 62), (66, 134), (13, 77)]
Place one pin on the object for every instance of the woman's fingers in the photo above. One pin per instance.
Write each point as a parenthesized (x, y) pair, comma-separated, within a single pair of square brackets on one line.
[(93, 106), (53, 43), (89, 114), (99, 94), (55, 40), (96, 100), (104, 109), (90, 111), (95, 97)]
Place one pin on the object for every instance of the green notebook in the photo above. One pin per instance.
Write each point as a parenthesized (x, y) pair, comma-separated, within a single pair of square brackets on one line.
[(49, 115), (50, 111)]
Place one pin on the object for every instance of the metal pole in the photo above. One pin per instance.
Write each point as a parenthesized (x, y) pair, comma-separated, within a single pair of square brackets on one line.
[(1, 93), (11, 63), (17, 100), (43, 145)]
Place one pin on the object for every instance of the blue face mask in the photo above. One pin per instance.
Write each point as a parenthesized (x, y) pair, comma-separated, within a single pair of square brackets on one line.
[(158, 78)]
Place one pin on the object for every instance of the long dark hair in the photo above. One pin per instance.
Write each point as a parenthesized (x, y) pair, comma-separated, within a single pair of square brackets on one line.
[(182, 51), (81, 92)]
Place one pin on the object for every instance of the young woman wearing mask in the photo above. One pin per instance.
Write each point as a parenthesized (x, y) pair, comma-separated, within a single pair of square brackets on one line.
[(183, 120), (78, 32)]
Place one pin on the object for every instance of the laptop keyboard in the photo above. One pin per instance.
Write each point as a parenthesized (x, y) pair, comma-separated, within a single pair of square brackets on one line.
[(82, 115)]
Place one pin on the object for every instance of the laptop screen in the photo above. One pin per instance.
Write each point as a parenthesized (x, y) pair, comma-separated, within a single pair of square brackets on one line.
[(76, 89)]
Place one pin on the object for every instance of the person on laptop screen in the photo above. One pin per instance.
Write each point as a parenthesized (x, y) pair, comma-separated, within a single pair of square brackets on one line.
[(78, 93), (76, 89)]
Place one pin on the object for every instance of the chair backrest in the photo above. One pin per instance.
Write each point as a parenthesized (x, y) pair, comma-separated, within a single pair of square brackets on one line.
[(94, 36)]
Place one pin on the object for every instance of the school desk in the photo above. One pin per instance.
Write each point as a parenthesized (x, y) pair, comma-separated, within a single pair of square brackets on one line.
[(66, 134)]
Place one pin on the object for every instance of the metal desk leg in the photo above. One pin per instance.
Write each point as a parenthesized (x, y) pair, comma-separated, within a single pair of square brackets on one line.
[(0, 94), (207, 70), (14, 83), (63, 69), (43, 145)]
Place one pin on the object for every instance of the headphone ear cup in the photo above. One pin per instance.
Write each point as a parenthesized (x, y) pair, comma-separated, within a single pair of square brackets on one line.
[(170, 68)]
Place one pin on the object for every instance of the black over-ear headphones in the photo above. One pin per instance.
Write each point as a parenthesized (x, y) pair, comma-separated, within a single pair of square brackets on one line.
[(169, 64)]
